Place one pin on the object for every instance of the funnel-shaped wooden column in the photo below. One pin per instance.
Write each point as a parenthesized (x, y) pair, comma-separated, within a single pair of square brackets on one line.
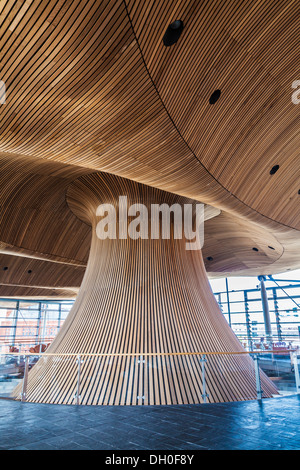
[(141, 296)]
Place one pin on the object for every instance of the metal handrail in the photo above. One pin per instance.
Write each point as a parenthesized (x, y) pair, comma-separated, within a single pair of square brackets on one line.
[(196, 353), (203, 358)]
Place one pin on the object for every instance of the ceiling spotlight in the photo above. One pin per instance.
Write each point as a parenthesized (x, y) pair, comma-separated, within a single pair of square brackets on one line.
[(274, 169), (173, 33), (215, 96)]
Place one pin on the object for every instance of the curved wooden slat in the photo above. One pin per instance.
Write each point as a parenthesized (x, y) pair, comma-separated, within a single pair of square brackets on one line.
[(90, 87), (248, 50), (141, 296), (88, 92)]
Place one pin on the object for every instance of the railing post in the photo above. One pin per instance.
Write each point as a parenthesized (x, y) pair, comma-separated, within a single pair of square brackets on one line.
[(257, 378), (247, 317), (25, 379), (266, 311), (78, 380), (277, 315), (204, 394), (296, 370), (141, 395)]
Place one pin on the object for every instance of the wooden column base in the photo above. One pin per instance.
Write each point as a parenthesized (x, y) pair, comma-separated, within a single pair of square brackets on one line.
[(141, 296)]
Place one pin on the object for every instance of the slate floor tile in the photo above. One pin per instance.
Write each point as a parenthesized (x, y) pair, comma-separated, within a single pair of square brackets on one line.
[(270, 424)]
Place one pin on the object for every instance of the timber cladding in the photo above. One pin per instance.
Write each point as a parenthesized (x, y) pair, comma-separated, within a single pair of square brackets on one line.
[(140, 297), (91, 87)]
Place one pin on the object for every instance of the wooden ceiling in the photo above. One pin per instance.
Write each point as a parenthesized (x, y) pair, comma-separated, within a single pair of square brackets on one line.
[(91, 87)]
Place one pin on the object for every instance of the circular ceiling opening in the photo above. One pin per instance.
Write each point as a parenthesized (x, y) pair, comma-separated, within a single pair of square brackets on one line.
[(215, 96), (274, 169), (173, 33)]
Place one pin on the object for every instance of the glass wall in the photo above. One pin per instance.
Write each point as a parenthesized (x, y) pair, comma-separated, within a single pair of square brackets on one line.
[(26, 324), (243, 311)]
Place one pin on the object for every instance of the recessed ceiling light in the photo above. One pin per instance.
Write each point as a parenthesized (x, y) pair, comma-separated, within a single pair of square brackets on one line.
[(173, 33), (177, 24), (274, 169), (215, 96)]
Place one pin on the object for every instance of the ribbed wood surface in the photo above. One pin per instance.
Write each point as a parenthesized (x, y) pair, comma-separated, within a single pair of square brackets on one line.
[(90, 86), (20, 271), (249, 51), (37, 224), (93, 85), (141, 296)]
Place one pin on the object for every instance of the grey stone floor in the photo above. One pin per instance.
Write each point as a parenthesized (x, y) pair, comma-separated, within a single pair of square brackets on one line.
[(266, 425)]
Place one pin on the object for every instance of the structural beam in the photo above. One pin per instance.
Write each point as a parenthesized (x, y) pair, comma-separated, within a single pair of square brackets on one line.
[(266, 310)]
